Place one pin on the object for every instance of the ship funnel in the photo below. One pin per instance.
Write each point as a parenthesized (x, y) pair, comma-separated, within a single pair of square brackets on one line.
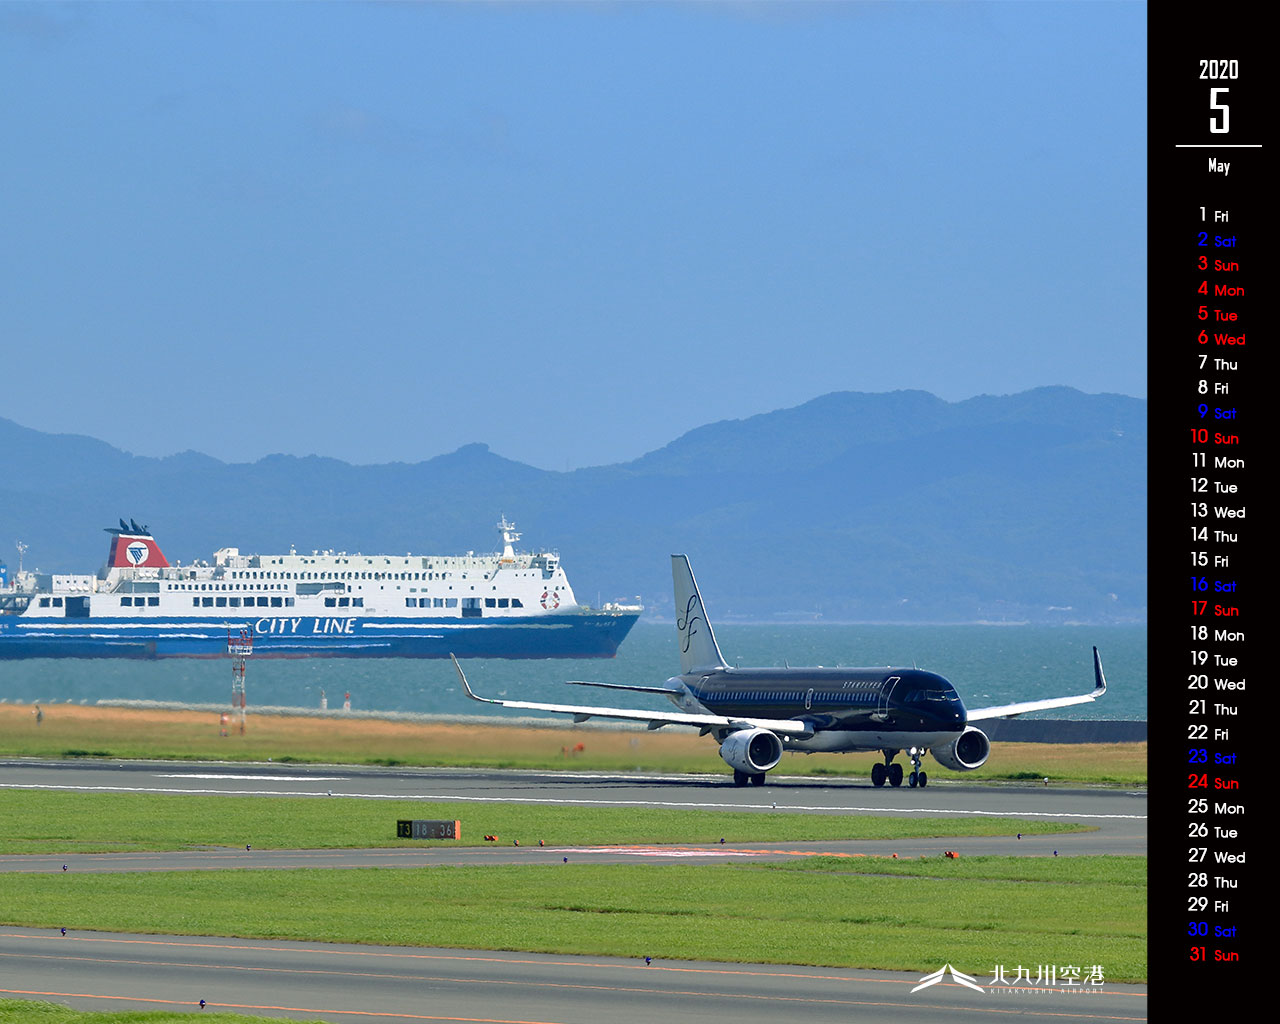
[(134, 547)]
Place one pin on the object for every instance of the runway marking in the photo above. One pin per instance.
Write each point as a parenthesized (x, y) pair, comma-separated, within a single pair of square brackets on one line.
[(251, 778), (668, 851), (117, 863), (502, 982), (476, 956), (566, 802), (985, 1009), (722, 851), (282, 1009), (184, 942)]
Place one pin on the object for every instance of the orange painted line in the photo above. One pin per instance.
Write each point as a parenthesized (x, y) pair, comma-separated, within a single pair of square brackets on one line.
[(443, 979), (578, 987), (667, 967), (615, 989), (985, 1009), (284, 1009), (408, 955)]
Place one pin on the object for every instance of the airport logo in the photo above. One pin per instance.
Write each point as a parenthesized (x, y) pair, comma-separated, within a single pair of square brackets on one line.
[(938, 975), (1048, 978), (1043, 979)]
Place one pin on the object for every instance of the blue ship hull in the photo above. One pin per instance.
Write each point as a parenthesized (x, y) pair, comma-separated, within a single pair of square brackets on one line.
[(574, 635)]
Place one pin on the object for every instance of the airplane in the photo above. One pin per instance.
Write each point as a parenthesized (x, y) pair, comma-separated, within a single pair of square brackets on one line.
[(756, 714)]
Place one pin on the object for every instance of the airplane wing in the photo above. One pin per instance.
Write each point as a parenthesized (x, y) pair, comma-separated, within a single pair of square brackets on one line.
[(1009, 710), (656, 719), (664, 690)]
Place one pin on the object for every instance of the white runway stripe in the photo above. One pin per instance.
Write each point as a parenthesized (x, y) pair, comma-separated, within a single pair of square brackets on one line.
[(696, 805)]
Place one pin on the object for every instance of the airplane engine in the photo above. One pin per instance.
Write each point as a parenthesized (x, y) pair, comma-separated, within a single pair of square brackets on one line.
[(751, 750), (968, 751)]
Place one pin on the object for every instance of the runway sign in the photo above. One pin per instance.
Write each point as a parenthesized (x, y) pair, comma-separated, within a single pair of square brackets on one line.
[(419, 828)]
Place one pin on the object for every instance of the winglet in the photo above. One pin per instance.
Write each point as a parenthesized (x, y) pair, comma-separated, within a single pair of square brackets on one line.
[(467, 686), (1023, 707)]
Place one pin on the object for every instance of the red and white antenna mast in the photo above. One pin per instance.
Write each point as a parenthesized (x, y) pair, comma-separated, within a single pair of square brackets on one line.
[(239, 646)]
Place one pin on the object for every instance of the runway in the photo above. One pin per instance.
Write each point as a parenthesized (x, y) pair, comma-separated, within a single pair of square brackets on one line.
[(1119, 815), (350, 983), (363, 983)]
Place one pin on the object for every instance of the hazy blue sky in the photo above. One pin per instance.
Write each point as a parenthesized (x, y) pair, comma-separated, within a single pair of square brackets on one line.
[(379, 231)]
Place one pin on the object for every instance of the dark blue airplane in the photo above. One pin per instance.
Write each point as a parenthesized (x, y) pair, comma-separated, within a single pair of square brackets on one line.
[(757, 713)]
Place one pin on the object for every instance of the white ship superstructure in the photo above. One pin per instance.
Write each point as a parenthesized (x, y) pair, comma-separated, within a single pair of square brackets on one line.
[(329, 603)]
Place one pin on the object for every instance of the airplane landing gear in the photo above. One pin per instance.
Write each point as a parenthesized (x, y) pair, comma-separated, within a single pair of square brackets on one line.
[(891, 772), (917, 777), (742, 778)]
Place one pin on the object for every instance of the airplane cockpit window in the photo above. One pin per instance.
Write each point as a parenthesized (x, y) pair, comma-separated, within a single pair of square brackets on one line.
[(934, 696)]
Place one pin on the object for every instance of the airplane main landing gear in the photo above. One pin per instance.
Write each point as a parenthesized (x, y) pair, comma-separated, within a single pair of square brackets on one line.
[(742, 778), (888, 772), (891, 772)]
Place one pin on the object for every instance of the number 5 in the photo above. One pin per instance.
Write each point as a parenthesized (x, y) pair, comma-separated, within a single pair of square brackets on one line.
[(1226, 113)]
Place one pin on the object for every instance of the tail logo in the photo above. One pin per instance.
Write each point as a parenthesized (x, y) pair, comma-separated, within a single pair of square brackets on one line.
[(137, 553), (686, 625)]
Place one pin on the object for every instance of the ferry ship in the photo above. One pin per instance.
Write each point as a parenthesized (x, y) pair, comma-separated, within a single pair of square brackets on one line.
[(328, 604)]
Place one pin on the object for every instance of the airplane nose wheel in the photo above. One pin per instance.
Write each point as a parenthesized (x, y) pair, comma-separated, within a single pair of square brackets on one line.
[(917, 777)]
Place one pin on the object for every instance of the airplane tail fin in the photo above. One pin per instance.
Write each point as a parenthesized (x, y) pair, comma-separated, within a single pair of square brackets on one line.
[(131, 546), (698, 648)]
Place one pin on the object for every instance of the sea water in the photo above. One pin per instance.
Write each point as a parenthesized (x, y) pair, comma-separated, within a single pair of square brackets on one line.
[(989, 665)]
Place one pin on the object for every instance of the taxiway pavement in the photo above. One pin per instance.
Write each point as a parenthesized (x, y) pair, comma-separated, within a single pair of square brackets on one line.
[(1119, 815), (393, 985)]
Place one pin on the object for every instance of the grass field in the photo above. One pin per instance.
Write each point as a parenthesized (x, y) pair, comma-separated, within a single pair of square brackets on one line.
[(42, 821), (24, 1011), (872, 913), (68, 730)]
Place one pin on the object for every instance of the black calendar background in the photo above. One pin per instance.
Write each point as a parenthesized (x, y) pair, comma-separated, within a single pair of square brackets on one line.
[(1207, 512)]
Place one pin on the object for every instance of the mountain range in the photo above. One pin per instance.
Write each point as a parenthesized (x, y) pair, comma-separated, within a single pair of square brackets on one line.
[(853, 507)]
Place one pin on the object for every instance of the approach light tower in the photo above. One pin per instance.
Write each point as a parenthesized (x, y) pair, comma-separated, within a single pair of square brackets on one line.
[(239, 647)]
